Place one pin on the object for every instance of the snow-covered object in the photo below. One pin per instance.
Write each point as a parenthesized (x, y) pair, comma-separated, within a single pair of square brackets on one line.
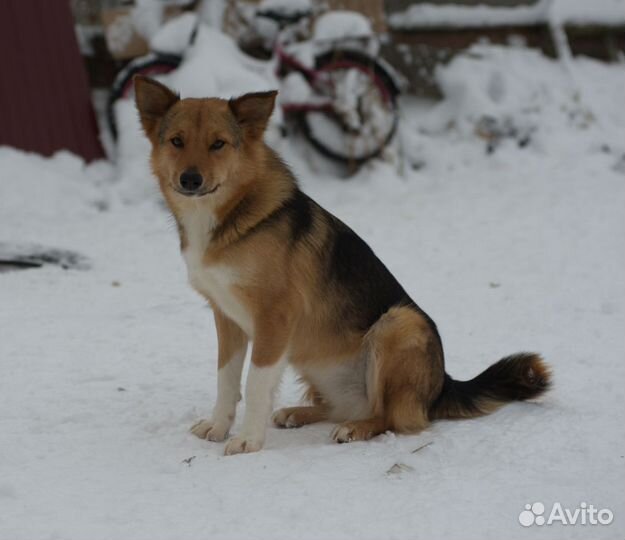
[(342, 24), (520, 87), (364, 110), (424, 15), (286, 6), (294, 88), (119, 33), (174, 36), (215, 66), (491, 81), (212, 13), (147, 17), (610, 12)]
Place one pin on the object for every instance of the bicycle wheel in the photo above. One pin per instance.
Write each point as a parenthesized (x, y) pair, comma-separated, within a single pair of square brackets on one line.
[(149, 65), (364, 116)]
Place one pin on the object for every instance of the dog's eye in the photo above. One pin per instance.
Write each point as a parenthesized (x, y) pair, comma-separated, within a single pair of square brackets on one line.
[(217, 144), (177, 142)]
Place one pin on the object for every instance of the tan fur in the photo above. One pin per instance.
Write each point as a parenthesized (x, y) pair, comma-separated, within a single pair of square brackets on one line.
[(359, 430), (407, 366), (231, 338), (291, 417)]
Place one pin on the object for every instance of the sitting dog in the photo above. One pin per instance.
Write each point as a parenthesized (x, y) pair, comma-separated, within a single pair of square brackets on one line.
[(285, 274)]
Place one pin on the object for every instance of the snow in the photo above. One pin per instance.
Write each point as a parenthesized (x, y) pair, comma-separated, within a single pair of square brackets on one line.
[(610, 12), (147, 17), (174, 36), (294, 88), (424, 15), (215, 65), (289, 7), (104, 369), (340, 24), (607, 12), (493, 82)]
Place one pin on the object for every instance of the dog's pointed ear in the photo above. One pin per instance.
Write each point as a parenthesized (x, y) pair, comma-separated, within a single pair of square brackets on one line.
[(252, 111), (153, 100)]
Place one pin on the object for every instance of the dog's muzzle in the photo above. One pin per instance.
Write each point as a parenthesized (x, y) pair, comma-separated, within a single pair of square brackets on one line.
[(191, 182)]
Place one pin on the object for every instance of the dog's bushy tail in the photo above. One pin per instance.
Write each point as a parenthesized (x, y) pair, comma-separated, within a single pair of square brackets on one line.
[(514, 378)]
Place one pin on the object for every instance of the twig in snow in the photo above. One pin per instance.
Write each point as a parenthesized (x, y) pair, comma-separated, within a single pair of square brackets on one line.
[(399, 468), (421, 447)]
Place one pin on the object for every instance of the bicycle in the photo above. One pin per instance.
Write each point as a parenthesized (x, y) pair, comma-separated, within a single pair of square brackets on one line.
[(347, 99)]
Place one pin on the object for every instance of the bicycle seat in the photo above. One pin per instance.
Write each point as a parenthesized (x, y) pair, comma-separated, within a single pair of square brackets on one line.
[(284, 17)]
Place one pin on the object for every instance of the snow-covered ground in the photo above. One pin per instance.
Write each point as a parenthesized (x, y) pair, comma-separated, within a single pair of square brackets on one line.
[(103, 370)]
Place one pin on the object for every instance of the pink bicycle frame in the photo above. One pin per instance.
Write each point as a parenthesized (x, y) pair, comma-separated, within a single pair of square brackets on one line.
[(318, 77), (313, 77)]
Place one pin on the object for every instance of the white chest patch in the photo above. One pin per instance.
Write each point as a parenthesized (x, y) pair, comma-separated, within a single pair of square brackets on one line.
[(214, 281)]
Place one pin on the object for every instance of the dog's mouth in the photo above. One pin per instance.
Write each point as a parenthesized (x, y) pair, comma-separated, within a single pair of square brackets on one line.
[(198, 193)]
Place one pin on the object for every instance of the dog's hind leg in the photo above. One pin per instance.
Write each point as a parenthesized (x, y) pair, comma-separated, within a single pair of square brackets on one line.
[(292, 417), (404, 375), (359, 430)]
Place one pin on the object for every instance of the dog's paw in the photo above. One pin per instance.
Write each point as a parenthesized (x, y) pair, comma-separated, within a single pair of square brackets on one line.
[(209, 430), (350, 432), (285, 418), (242, 445)]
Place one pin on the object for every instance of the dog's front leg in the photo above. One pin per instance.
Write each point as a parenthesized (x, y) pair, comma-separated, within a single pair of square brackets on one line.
[(232, 349), (268, 363)]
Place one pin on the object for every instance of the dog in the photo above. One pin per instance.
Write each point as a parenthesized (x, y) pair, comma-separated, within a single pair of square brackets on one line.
[(283, 273)]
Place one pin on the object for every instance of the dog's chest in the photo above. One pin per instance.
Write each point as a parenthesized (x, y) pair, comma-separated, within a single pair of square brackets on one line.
[(215, 281)]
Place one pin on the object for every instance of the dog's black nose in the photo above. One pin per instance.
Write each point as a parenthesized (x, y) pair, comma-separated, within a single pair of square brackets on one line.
[(191, 180)]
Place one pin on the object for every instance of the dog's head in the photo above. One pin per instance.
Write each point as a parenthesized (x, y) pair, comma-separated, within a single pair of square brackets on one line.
[(202, 148)]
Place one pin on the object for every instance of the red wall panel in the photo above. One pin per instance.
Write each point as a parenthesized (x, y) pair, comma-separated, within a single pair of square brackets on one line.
[(45, 100)]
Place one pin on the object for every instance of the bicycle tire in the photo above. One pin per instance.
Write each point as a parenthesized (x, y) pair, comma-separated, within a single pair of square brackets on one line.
[(324, 61), (151, 64)]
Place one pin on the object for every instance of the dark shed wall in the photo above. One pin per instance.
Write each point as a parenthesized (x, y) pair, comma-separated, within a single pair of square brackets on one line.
[(45, 100)]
